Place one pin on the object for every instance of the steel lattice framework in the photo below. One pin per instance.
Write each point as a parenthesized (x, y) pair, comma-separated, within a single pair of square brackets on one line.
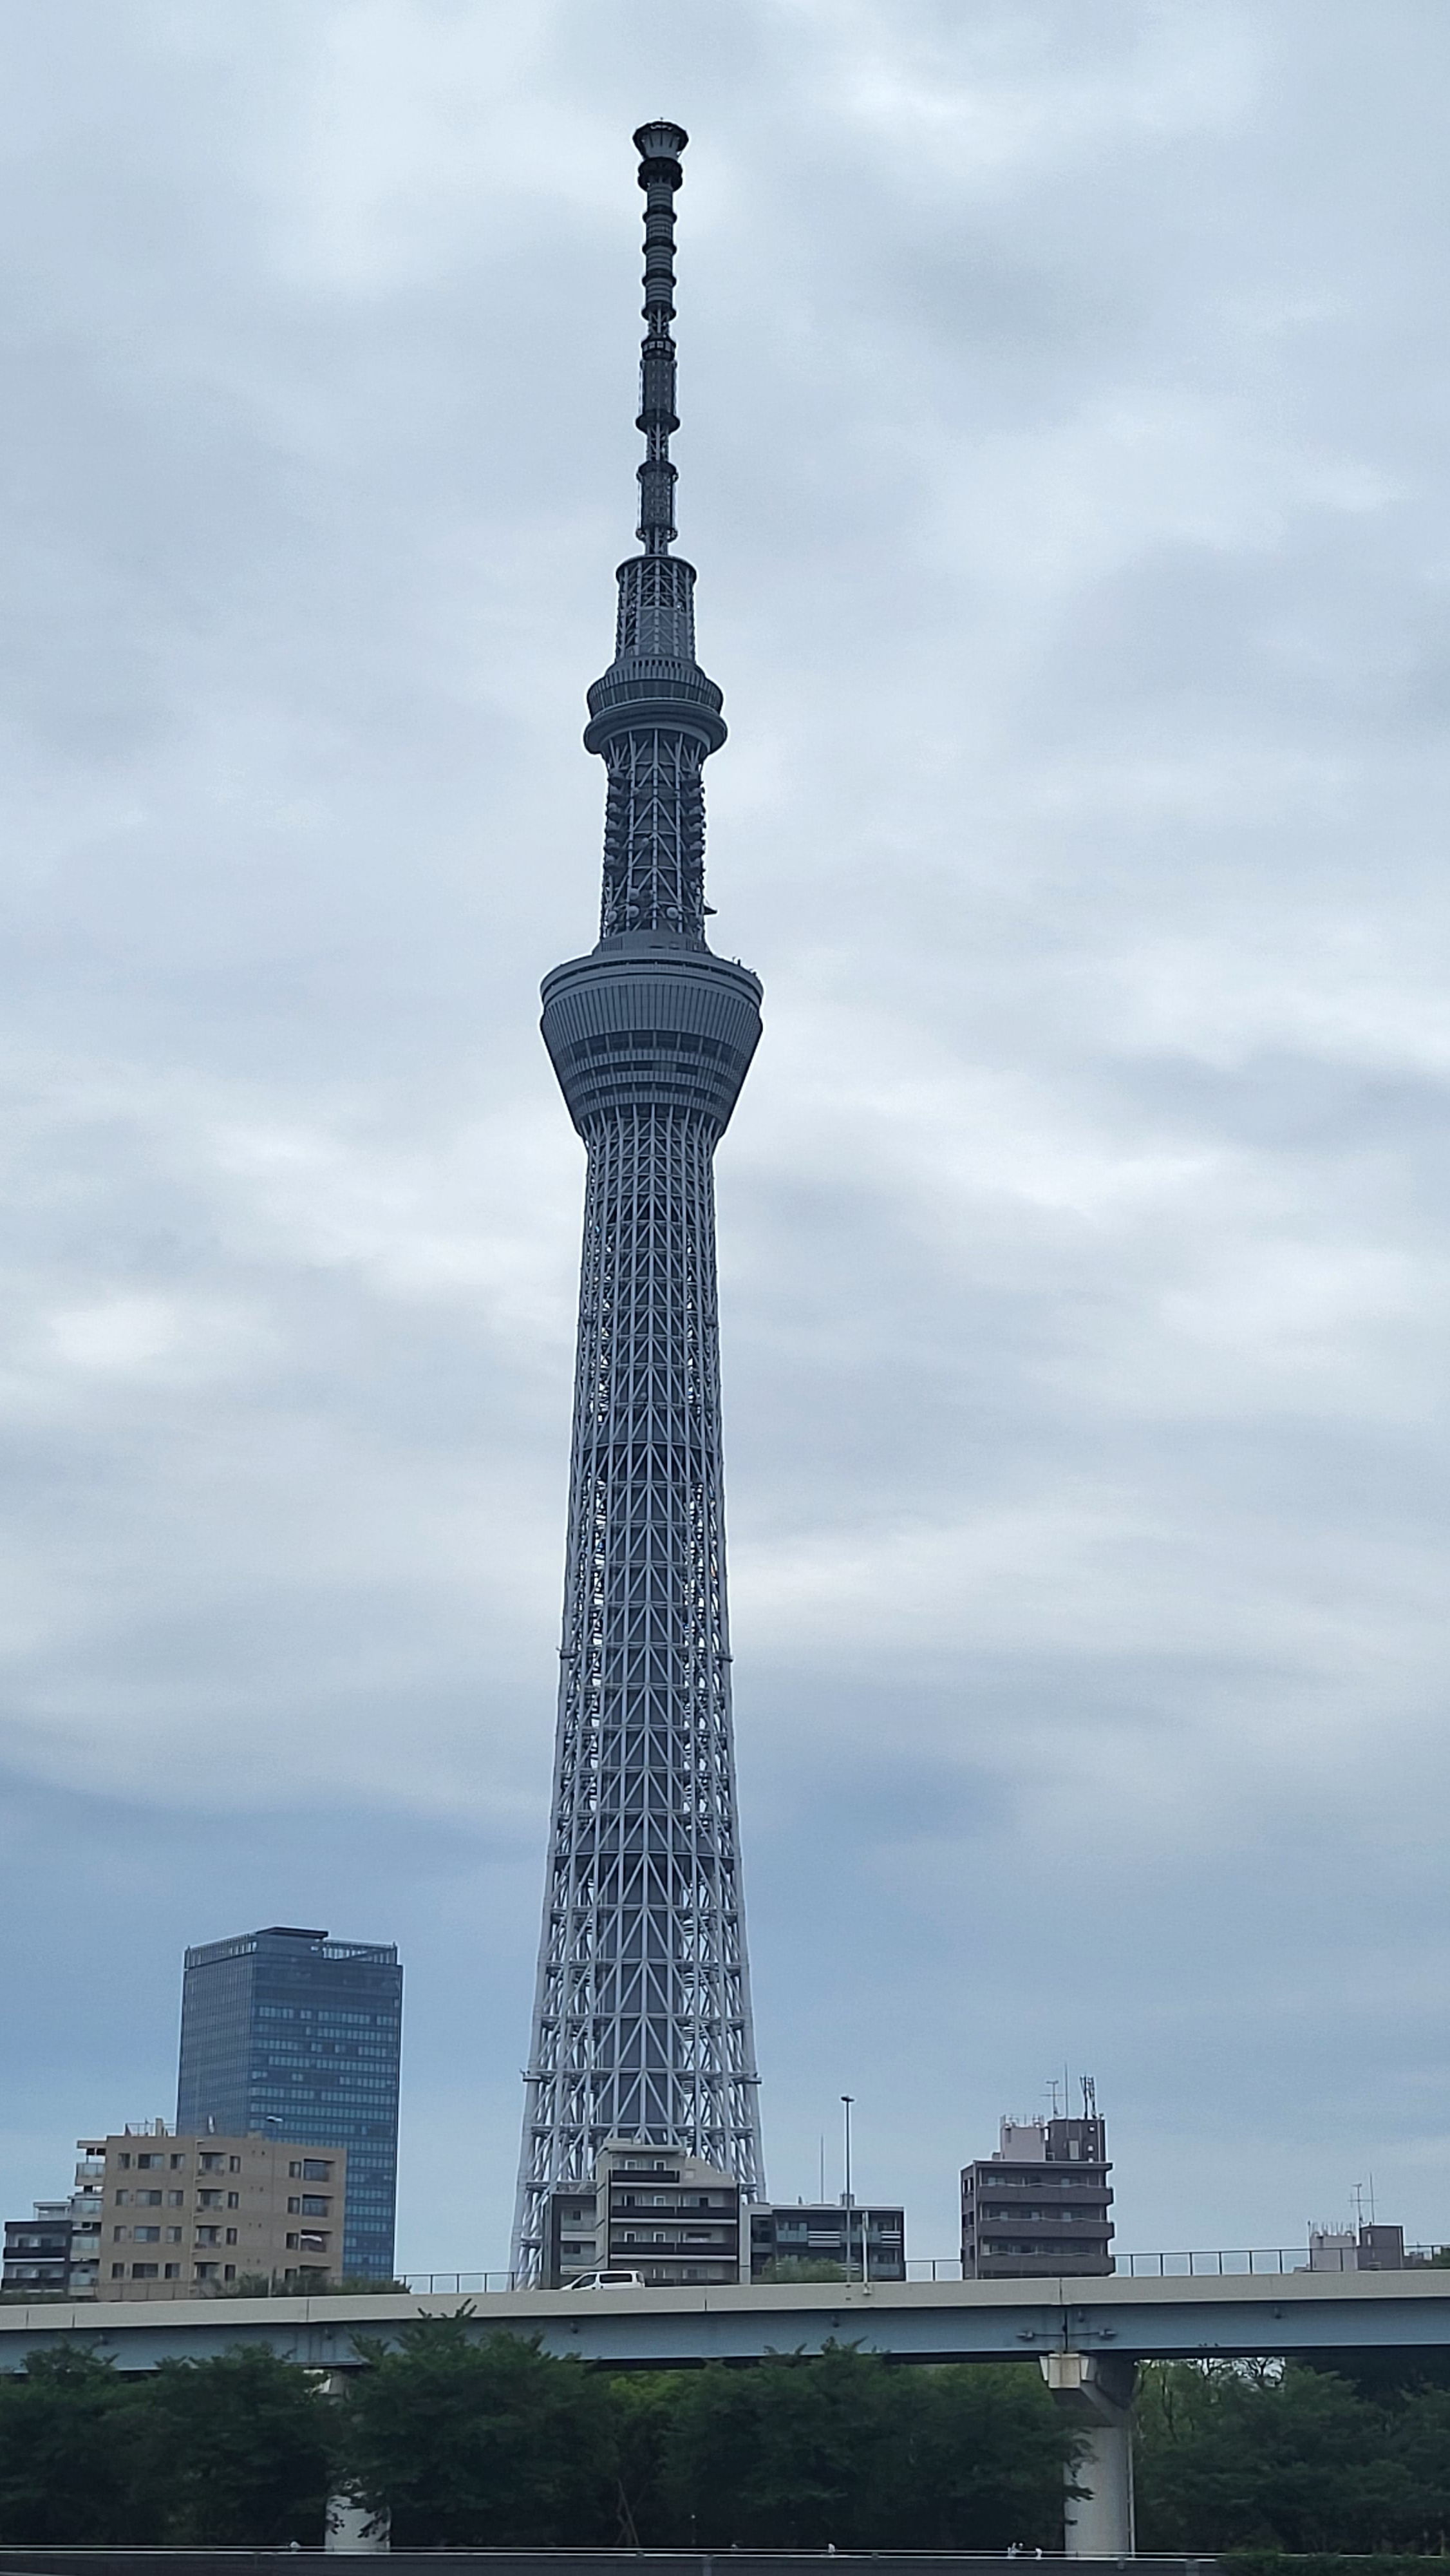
[(642, 2025)]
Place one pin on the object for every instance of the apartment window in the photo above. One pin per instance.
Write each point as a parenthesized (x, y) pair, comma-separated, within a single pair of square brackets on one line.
[(314, 2206), (173, 2272), (143, 2272), (234, 2200), (118, 2271), (149, 2199), (315, 2170), (206, 2272), (176, 2200), (211, 2163), (122, 2197), (208, 2236), (230, 2272), (125, 2163), (145, 2163), (208, 2200), (234, 2164), (173, 2236), (231, 2236), (118, 2236), (177, 2163), (147, 2235)]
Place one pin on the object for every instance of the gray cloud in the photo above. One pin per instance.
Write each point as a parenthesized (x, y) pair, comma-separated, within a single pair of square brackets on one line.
[(1063, 458)]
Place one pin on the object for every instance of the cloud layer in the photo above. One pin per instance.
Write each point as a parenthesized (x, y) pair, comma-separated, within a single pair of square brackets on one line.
[(1065, 395)]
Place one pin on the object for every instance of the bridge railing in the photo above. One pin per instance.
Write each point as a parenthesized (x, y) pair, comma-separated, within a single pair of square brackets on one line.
[(1189, 2264), (1218, 2262), (437, 2285)]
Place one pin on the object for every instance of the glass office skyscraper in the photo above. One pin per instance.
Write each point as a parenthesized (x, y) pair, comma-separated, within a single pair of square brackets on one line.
[(288, 2032)]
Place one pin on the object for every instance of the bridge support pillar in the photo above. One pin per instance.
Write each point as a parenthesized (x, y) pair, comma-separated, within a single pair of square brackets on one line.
[(1095, 2393), (352, 2531)]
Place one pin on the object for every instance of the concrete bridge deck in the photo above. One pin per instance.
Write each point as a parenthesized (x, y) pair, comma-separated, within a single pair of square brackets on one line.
[(924, 2321)]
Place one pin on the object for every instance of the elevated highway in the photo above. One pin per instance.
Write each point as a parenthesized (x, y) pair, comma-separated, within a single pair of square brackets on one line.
[(928, 2321)]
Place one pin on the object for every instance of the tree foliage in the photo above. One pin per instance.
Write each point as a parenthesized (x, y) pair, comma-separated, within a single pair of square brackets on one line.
[(64, 2470), (491, 2444), (482, 2444), (1232, 2458), (230, 2452), (473, 2441)]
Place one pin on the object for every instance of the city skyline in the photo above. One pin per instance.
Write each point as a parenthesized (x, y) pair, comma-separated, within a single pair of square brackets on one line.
[(1064, 474)]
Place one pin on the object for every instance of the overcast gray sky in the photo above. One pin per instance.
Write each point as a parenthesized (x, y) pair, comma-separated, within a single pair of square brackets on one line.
[(1065, 393)]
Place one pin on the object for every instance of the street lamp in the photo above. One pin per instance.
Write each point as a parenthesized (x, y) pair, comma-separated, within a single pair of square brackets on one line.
[(847, 2099)]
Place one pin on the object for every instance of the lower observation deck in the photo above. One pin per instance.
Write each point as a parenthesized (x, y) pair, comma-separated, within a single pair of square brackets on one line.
[(648, 1021), (925, 2321)]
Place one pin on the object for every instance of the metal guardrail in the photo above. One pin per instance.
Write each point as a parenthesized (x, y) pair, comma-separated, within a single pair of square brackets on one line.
[(1189, 2264), (1198, 2263)]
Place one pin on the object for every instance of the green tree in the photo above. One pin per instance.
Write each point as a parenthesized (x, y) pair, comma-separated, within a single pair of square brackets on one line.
[(1230, 2458), (482, 2444), (978, 2459), (786, 2455), (844, 2448), (231, 2453), (65, 2452)]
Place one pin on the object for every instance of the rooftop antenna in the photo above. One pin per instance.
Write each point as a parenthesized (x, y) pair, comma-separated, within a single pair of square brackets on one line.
[(1089, 2097), (1052, 2093)]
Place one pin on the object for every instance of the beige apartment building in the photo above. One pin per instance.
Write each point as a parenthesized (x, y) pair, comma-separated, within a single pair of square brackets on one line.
[(665, 2218), (187, 2217)]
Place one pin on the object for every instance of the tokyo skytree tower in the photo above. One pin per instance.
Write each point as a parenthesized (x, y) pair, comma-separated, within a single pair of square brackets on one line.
[(642, 2025)]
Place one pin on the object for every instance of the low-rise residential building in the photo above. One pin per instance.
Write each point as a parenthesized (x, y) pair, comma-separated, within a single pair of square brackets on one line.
[(669, 2218), (37, 2250), (867, 2240), (1040, 2206), (193, 2215), (55, 2253)]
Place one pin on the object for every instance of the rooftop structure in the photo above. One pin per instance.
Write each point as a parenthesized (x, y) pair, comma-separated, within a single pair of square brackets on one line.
[(642, 2023)]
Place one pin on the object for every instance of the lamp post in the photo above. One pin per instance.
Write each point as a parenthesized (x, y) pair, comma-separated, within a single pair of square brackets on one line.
[(847, 2099)]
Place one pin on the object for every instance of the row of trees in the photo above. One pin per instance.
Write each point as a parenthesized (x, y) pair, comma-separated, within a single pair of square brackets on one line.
[(492, 2443)]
